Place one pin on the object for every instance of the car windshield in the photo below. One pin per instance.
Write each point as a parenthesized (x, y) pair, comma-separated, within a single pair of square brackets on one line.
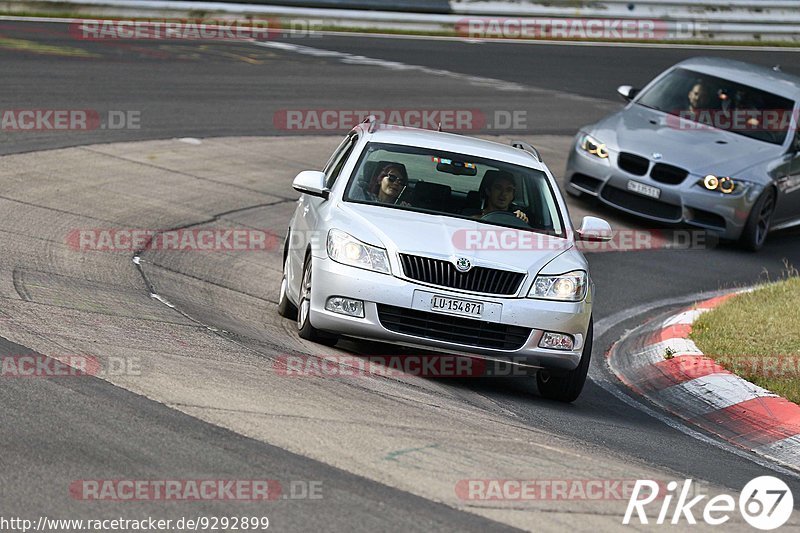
[(455, 185), (701, 100)]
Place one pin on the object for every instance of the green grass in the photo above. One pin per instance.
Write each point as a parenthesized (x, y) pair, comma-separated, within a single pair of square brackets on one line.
[(757, 336)]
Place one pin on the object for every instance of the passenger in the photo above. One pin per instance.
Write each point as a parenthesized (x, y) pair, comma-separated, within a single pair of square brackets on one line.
[(388, 184), (497, 192)]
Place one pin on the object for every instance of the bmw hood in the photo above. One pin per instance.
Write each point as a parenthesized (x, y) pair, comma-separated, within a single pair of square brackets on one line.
[(700, 150), (441, 237)]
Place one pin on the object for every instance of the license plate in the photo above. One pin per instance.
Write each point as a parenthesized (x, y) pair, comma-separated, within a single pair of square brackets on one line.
[(454, 306), (645, 190)]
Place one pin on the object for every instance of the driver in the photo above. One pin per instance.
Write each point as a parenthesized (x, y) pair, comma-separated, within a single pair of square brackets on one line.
[(697, 100), (497, 192)]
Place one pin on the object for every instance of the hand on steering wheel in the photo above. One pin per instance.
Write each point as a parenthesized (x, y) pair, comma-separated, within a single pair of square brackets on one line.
[(520, 215), (517, 218)]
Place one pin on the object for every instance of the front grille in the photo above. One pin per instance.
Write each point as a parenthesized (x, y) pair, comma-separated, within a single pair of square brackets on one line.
[(635, 164), (641, 204), (444, 273), (668, 174), (458, 330)]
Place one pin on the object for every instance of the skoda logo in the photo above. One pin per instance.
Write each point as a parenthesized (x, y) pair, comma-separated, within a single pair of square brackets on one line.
[(463, 264), (657, 155)]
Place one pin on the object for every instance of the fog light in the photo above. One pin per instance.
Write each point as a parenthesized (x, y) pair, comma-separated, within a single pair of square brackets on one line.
[(345, 306), (557, 341)]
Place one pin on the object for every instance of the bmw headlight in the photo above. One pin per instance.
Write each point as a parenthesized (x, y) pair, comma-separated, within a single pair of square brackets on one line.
[(569, 287), (346, 249), (593, 146), (723, 184)]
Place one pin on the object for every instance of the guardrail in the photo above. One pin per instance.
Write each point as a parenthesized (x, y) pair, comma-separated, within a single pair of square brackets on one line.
[(722, 11), (416, 6), (720, 20)]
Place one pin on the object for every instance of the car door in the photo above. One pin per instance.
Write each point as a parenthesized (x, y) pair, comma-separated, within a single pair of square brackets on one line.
[(304, 231), (788, 180)]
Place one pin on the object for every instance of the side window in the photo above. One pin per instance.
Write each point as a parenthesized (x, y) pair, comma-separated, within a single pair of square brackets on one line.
[(334, 166)]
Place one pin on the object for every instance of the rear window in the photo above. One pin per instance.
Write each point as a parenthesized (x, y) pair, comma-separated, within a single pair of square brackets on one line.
[(455, 185)]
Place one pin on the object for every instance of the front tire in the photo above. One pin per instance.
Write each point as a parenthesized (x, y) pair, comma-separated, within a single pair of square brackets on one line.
[(759, 222), (568, 386), (304, 327), (285, 307)]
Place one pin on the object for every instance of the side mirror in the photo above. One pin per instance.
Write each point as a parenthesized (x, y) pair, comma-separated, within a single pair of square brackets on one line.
[(594, 229), (312, 183), (796, 142), (627, 92)]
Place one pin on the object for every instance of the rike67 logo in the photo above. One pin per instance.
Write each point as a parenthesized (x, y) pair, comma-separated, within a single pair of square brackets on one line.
[(765, 503)]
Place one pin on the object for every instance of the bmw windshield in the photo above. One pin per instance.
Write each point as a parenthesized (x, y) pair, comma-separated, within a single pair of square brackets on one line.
[(700, 100), (455, 185)]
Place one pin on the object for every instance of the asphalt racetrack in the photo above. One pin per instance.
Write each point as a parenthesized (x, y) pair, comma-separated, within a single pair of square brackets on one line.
[(205, 401)]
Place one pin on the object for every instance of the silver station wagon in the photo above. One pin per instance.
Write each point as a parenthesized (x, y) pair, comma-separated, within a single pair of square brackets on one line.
[(436, 240)]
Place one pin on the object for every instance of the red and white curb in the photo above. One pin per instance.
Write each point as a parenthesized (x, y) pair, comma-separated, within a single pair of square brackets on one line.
[(696, 389)]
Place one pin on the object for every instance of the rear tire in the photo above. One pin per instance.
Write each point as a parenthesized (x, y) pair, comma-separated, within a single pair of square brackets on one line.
[(759, 222), (568, 386), (304, 327)]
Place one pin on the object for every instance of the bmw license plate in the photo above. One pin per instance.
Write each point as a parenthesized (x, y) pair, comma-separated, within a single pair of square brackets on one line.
[(454, 306), (645, 190)]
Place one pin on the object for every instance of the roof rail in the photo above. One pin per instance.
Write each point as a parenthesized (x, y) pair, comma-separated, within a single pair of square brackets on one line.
[(372, 120), (527, 147)]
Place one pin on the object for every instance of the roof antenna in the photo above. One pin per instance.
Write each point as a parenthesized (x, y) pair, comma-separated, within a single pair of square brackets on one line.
[(440, 127)]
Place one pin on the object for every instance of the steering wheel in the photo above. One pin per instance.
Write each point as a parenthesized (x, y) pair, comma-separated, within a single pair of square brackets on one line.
[(506, 218)]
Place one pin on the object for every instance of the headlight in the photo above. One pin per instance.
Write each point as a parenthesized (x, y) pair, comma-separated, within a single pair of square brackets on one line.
[(346, 249), (594, 147), (569, 287), (725, 185)]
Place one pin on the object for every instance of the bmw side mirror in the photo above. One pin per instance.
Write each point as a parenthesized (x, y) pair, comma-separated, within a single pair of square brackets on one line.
[(627, 92), (594, 229), (311, 182)]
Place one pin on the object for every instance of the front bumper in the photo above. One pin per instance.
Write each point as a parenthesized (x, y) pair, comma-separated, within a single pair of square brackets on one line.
[(723, 215), (334, 279)]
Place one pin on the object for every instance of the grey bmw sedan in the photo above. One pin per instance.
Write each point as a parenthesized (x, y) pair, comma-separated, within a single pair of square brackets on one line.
[(712, 143)]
